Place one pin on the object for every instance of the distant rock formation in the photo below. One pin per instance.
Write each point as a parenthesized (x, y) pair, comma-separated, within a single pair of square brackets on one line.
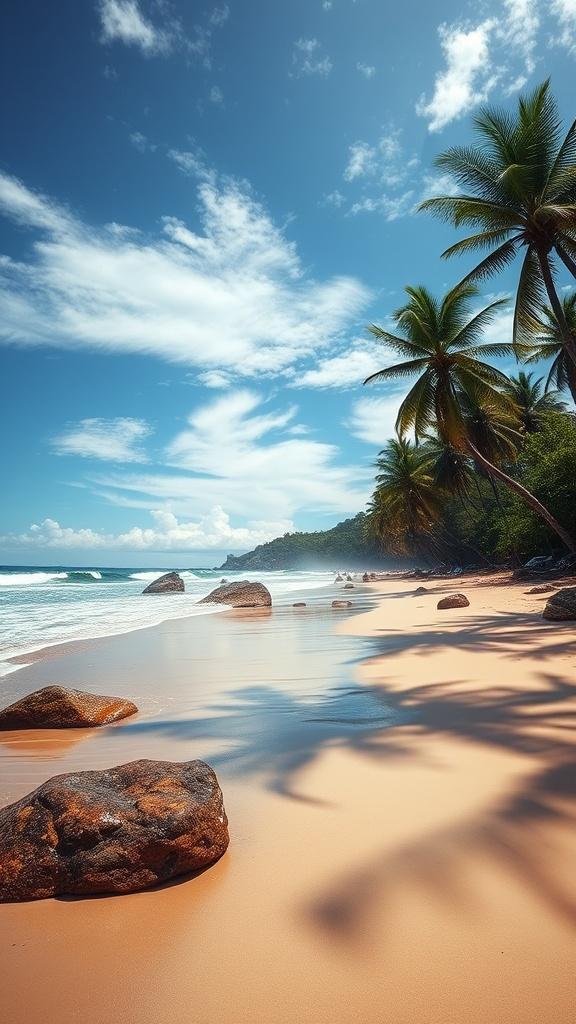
[(113, 831), (454, 601), (57, 707), (243, 594), (562, 605), (170, 583)]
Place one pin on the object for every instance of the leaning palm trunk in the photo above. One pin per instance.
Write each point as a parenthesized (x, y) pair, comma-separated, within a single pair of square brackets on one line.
[(527, 496), (563, 328)]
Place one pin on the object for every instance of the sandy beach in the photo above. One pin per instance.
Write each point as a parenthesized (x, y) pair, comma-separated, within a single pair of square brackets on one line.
[(401, 788)]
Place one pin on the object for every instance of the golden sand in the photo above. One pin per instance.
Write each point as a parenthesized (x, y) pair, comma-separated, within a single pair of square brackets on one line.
[(401, 788)]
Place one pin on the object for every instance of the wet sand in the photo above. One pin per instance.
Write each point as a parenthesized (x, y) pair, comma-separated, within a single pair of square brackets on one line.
[(401, 788)]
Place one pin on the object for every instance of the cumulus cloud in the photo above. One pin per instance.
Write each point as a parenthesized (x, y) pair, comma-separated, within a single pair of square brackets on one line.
[(117, 440), (232, 294), (167, 534), (348, 369), (372, 420), (307, 59), (497, 51), (565, 11)]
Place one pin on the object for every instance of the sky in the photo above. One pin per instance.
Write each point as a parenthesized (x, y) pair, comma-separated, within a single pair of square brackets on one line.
[(202, 207)]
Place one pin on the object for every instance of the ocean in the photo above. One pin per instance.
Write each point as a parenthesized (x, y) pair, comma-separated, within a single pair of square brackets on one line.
[(44, 606)]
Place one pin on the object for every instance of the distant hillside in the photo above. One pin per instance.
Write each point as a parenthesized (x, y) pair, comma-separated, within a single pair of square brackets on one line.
[(344, 546)]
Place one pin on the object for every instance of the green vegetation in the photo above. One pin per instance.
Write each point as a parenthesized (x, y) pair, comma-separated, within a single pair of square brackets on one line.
[(484, 461), (346, 545)]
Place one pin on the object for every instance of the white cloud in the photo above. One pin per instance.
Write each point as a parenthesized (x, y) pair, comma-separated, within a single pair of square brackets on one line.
[(215, 379), (391, 207), (216, 96), (465, 81), (168, 534), (384, 161), (233, 294), (123, 21), (117, 440), (368, 70), (307, 59), (373, 419), (348, 369), (327, 5), (334, 198), (141, 142), (240, 452), (565, 11)]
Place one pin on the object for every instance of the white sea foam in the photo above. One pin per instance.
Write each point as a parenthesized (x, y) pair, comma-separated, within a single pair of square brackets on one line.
[(29, 579)]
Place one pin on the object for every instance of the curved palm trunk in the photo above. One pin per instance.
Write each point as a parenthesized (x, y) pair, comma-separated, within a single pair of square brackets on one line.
[(529, 498), (565, 332), (566, 259)]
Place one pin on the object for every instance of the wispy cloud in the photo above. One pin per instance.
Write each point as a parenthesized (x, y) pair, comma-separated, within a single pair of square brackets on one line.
[(117, 440), (233, 294), (142, 142), (307, 59), (123, 21), (348, 369), (565, 11), (372, 420), (367, 70)]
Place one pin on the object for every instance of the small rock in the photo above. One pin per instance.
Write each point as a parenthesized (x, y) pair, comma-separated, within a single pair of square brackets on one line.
[(366, 578), (421, 590), (562, 605), (348, 586), (339, 579), (57, 707), (242, 594), (454, 601), (545, 588), (113, 831), (341, 604), (170, 583), (299, 604)]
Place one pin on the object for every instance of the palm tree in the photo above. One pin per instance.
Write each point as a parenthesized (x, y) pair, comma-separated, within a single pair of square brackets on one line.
[(520, 192), (441, 343), (406, 504), (549, 344), (532, 402)]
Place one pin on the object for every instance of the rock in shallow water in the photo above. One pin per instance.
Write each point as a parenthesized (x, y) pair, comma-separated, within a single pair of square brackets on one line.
[(562, 606), (57, 707), (341, 604), (454, 601), (114, 831), (170, 583), (242, 594)]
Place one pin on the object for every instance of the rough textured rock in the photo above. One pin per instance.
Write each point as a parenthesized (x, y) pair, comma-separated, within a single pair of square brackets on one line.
[(114, 831), (561, 605), (299, 604), (57, 707), (454, 601), (545, 588), (170, 583), (242, 594), (341, 604)]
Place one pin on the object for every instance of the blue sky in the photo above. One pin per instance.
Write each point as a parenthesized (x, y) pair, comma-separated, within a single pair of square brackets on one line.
[(202, 206)]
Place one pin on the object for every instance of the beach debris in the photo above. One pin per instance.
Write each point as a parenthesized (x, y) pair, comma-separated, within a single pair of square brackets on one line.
[(544, 588), (114, 831), (348, 586), (341, 604), (454, 601), (562, 605), (169, 583), (58, 707), (243, 594), (299, 604)]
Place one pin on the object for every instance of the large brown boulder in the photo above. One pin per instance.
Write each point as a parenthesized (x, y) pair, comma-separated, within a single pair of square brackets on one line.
[(561, 605), (242, 594), (454, 601), (114, 831), (57, 707), (169, 583)]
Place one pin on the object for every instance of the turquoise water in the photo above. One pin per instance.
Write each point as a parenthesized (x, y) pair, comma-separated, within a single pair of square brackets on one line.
[(42, 606)]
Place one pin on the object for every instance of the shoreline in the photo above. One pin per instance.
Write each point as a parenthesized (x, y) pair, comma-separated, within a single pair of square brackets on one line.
[(401, 789)]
